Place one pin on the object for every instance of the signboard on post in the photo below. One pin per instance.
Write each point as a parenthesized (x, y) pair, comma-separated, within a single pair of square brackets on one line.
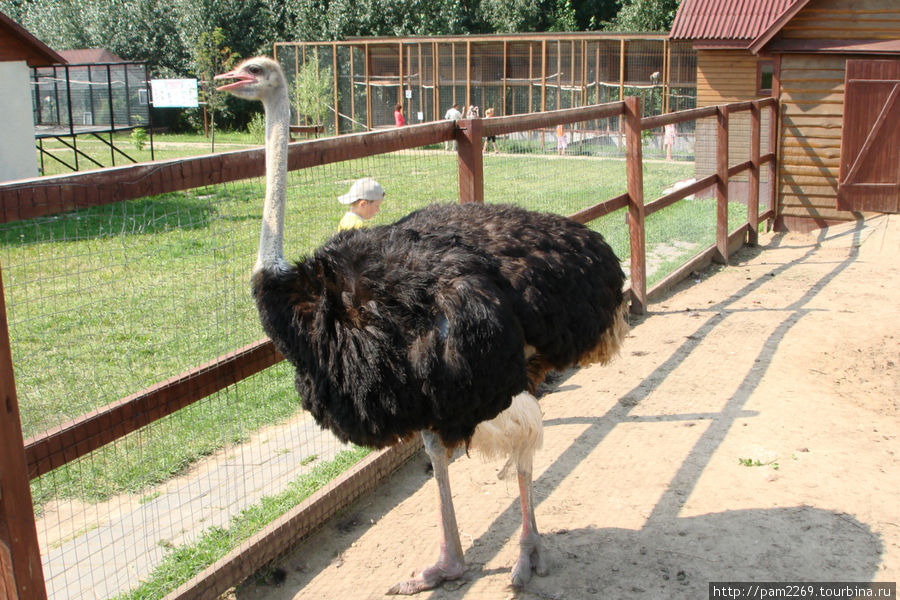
[(174, 93)]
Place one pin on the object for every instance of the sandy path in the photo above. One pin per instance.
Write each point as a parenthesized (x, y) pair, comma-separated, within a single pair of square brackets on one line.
[(748, 432)]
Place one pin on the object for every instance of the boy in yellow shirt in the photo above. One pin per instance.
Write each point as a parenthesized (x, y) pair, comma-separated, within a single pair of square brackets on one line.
[(364, 199)]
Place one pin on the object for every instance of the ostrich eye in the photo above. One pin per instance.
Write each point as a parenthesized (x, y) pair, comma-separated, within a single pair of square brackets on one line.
[(255, 69)]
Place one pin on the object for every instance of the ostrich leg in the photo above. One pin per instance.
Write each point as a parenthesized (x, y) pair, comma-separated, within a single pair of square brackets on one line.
[(531, 552), (450, 563)]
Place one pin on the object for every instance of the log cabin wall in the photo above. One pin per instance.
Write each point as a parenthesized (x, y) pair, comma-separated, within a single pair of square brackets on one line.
[(812, 99), (812, 91), (725, 76)]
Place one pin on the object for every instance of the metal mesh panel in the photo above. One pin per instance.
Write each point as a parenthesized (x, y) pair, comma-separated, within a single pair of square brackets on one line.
[(360, 103), (134, 292), (384, 83), (561, 170), (346, 102), (514, 76), (325, 56), (110, 96)]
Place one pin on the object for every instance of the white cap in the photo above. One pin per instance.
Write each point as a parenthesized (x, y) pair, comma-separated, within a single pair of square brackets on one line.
[(362, 189)]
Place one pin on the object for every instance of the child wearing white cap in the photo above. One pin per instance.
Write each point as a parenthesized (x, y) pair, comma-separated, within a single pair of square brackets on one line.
[(364, 198)]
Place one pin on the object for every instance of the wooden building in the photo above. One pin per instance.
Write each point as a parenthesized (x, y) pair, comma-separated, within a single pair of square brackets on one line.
[(834, 66), (19, 50)]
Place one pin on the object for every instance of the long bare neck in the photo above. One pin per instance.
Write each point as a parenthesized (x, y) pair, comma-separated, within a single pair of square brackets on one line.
[(271, 249)]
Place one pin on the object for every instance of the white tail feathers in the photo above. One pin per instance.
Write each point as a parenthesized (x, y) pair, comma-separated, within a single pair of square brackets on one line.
[(515, 433)]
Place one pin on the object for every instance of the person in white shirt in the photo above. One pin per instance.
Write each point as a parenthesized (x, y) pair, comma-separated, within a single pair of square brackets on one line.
[(452, 114)]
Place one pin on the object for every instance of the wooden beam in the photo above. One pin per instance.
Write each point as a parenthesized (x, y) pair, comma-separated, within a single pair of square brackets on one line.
[(400, 72), (471, 167), (667, 59), (586, 215), (635, 175), (368, 90), (289, 529), (681, 116), (468, 75), (722, 184), (21, 574), (543, 75), (513, 123), (530, 74), (334, 82), (352, 90), (30, 198), (435, 80), (503, 110), (673, 197), (90, 431), (753, 200)]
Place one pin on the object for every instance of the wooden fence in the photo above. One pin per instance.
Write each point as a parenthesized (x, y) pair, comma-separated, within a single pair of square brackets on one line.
[(22, 460)]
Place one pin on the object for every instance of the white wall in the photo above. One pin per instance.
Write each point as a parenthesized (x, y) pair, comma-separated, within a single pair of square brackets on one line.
[(18, 158)]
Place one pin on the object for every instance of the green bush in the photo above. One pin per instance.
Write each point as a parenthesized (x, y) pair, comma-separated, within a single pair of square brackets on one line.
[(257, 128), (139, 138)]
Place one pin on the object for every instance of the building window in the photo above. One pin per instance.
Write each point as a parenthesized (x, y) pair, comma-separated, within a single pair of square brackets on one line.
[(764, 70)]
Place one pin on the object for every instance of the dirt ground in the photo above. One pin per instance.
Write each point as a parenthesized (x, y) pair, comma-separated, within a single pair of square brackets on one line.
[(749, 431)]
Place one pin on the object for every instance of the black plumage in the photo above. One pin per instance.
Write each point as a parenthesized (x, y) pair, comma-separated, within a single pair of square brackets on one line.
[(427, 323)]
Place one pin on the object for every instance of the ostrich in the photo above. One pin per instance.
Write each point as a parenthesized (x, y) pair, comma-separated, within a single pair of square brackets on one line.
[(442, 324)]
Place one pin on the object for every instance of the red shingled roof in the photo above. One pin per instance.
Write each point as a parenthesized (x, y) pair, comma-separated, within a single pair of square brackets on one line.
[(734, 22)]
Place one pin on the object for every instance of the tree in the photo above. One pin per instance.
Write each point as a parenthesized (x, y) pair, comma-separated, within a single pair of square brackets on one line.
[(311, 92), (645, 15), (517, 16), (212, 56), (139, 30)]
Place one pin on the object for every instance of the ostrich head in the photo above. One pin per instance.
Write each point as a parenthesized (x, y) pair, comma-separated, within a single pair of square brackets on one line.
[(257, 78), (261, 78)]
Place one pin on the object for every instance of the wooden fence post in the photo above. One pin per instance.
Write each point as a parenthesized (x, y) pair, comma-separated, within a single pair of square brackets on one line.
[(21, 575), (634, 169), (753, 200), (722, 184), (471, 167), (775, 169)]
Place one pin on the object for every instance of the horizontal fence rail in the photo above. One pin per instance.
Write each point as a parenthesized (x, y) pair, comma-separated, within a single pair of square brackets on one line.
[(30, 199)]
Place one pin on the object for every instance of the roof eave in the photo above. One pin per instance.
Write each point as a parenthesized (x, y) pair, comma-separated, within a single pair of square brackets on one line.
[(777, 25), (832, 46), (721, 44), (45, 55)]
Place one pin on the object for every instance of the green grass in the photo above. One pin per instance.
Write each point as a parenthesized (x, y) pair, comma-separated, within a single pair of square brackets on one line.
[(108, 300), (183, 562)]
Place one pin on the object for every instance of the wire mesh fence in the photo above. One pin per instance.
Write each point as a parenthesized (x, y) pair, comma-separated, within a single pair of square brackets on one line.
[(133, 292), (111, 95), (111, 299), (511, 74)]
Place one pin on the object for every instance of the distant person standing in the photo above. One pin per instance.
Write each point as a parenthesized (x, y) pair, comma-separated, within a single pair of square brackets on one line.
[(669, 139), (491, 139), (561, 142), (399, 121), (452, 114)]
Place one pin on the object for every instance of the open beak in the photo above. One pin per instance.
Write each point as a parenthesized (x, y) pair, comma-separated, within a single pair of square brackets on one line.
[(240, 80)]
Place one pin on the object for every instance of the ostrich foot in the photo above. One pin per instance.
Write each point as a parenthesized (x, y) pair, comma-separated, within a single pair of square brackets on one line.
[(531, 558), (429, 578)]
